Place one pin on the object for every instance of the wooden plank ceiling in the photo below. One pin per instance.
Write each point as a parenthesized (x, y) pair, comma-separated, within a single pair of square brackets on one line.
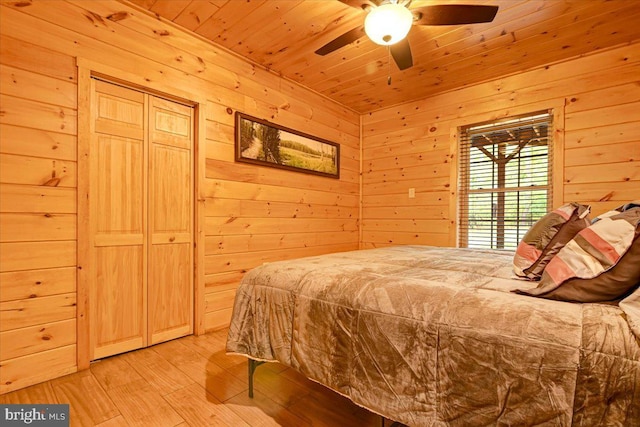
[(282, 36)]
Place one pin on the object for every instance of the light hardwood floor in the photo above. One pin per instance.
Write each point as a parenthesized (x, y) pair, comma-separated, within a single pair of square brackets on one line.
[(192, 382)]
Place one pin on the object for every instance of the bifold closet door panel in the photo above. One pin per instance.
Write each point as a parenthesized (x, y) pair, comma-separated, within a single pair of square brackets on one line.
[(118, 220), (120, 321), (170, 302), (170, 263), (118, 111)]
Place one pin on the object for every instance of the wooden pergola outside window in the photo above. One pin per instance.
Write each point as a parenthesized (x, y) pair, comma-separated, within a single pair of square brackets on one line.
[(505, 179)]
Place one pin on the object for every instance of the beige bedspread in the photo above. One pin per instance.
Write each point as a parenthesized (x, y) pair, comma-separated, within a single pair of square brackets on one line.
[(433, 337)]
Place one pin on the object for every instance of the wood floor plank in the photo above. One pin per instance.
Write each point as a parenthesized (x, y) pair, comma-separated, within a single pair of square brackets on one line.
[(284, 385), (39, 393), (214, 348), (277, 368), (88, 403), (141, 405), (278, 388), (200, 408), (240, 370), (191, 363), (206, 344), (160, 373), (113, 372), (328, 409), (196, 363), (223, 384), (264, 412), (176, 352), (118, 421)]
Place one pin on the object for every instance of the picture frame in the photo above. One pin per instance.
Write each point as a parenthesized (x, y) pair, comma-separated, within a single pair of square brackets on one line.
[(263, 143)]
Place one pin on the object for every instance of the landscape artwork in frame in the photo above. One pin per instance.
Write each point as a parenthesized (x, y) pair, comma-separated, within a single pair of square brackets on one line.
[(264, 143)]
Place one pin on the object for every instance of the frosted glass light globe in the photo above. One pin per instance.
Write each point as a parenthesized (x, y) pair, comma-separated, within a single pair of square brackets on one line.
[(388, 24)]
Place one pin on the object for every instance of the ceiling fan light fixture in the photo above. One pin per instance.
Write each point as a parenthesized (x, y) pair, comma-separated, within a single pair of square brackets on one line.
[(388, 24)]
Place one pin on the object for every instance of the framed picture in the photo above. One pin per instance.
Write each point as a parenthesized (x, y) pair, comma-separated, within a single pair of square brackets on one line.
[(263, 143)]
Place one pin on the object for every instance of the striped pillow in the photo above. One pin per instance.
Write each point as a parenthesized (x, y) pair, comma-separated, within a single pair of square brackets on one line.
[(546, 237), (595, 249), (613, 284), (591, 252)]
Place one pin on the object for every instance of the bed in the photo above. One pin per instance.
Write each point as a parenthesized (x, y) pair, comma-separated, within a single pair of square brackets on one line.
[(432, 336)]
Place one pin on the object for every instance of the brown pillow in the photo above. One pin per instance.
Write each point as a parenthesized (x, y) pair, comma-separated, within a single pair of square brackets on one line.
[(546, 237)]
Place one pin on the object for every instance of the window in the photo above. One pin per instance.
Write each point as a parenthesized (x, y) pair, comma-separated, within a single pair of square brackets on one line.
[(504, 179)]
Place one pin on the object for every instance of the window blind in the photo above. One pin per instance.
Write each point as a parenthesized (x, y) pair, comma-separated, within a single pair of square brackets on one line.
[(504, 179)]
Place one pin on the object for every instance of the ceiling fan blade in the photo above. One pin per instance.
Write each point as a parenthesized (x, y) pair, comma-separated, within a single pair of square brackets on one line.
[(343, 40), (454, 14), (401, 53)]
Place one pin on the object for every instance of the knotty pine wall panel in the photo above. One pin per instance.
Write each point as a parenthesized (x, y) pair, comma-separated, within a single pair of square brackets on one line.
[(597, 144), (37, 215), (251, 214)]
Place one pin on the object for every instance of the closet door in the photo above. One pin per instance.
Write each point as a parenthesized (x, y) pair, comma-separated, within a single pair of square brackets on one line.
[(118, 206), (170, 285)]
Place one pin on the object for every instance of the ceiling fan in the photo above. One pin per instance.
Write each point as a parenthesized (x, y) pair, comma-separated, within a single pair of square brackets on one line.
[(388, 22)]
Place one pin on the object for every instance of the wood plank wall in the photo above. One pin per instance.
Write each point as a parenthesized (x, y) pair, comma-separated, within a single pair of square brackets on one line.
[(596, 100), (251, 214)]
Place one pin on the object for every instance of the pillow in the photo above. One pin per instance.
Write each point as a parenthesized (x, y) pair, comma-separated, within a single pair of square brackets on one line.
[(616, 211), (602, 263), (546, 237)]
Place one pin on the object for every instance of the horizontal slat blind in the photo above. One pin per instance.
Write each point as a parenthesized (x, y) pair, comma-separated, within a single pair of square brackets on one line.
[(505, 179)]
